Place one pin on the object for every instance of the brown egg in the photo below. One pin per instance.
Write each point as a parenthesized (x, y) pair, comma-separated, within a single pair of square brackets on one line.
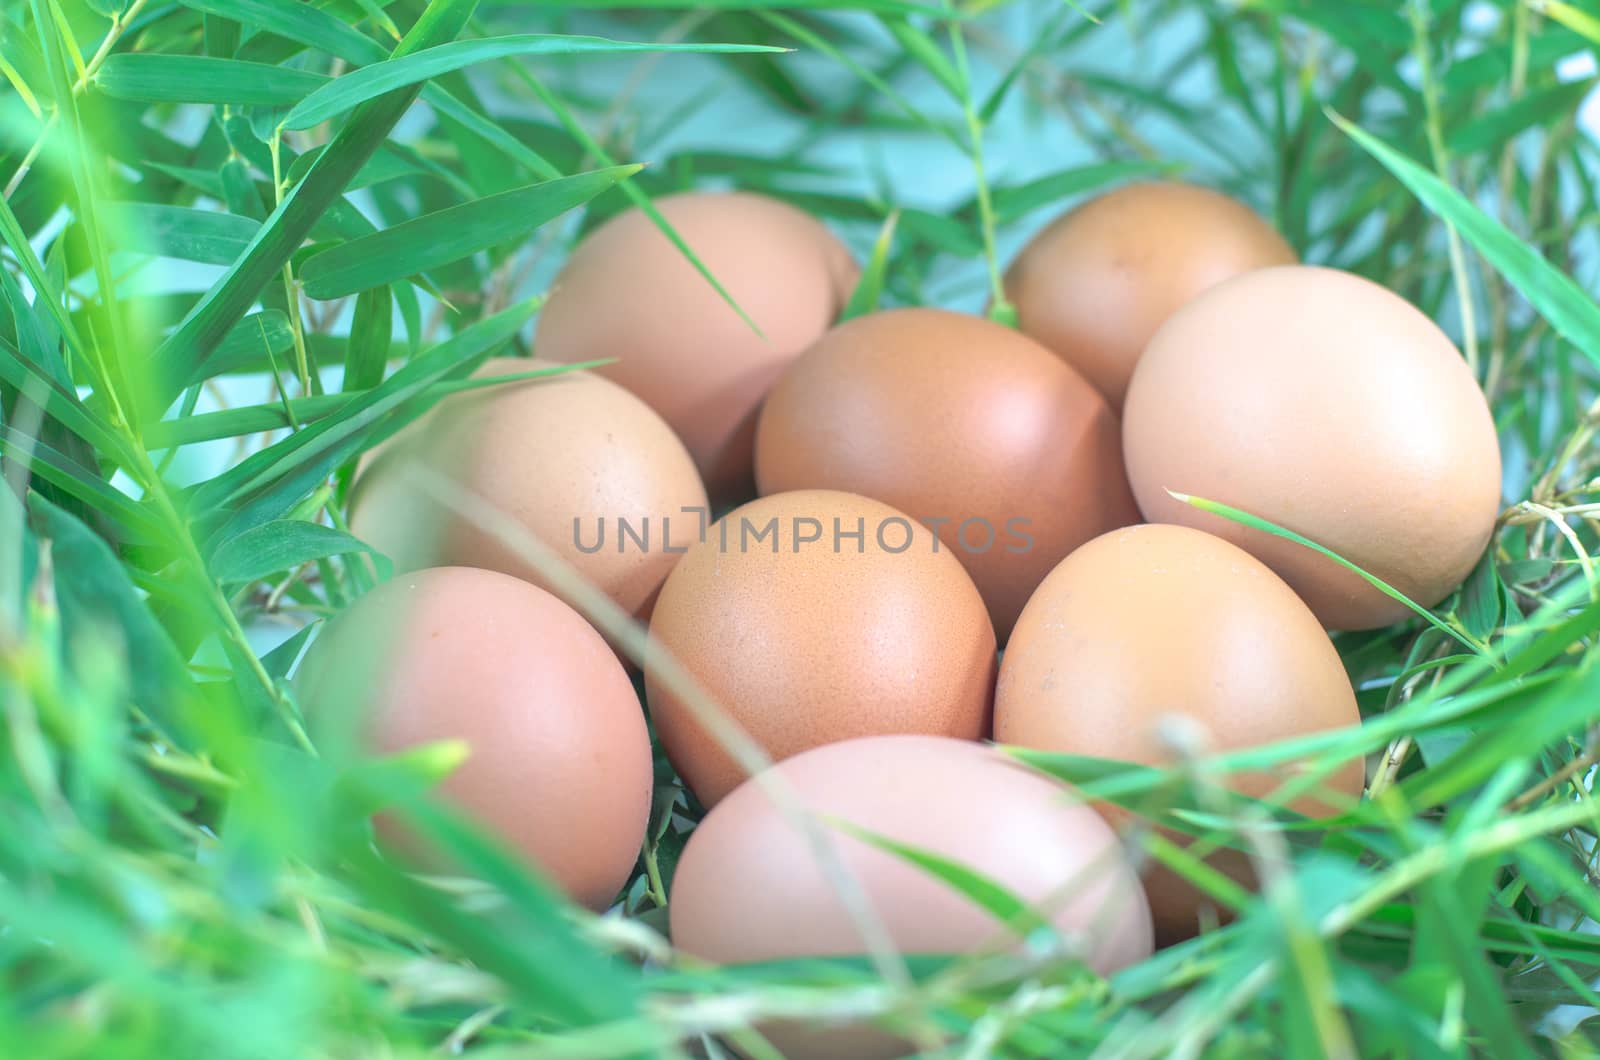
[(750, 886), (559, 764), (1096, 284), (1155, 622), (628, 293), (576, 460), (1325, 404), (967, 425), (810, 634)]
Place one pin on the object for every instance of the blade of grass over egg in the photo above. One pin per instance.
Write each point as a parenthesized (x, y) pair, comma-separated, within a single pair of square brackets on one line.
[(448, 235), (198, 334), (631, 189), (1257, 523), (358, 86), (150, 78), (990, 895), (1552, 293), (869, 289), (273, 416)]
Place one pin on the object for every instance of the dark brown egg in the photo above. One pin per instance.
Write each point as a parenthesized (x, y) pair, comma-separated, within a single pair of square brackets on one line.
[(574, 460), (813, 617), (751, 887), (559, 764), (968, 426), (1152, 624), (1096, 284), (627, 292), (1325, 404)]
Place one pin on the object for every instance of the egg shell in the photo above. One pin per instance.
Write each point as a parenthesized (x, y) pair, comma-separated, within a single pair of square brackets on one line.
[(951, 417), (571, 458), (1155, 622), (559, 765), (627, 292), (1323, 403), (809, 642), (751, 887), (1098, 281)]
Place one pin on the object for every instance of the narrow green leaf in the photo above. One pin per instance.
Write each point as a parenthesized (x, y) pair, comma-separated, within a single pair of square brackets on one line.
[(1577, 20), (58, 401), (926, 51), (1255, 522), (869, 289), (206, 236), (1490, 129), (450, 234), (147, 77), (1554, 295), (1011, 203), (80, 483), (279, 545), (230, 298), (371, 332), (985, 892), (249, 345), (358, 86), (270, 482), (94, 591)]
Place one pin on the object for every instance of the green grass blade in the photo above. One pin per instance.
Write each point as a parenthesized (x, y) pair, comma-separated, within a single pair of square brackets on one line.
[(869, 289), (358, 86), (149, 78), (988, 894), (448, 235), (1255, 522)]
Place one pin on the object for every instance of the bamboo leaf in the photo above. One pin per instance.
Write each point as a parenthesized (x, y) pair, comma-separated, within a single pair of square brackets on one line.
[(358, 86), (1554, 295), (150, 78), (198, 334), (279, 545), (449, 235)]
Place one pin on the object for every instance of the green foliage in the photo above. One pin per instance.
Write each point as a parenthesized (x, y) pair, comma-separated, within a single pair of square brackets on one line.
[(212, 207)]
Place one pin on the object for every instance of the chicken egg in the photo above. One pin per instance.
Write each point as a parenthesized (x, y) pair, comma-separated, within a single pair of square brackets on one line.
[(1325, 404), (969, 426), (574, 459), (811, 617), (1154, 622), (1097, 282), (751, 886), (559, 764), (627, 292)]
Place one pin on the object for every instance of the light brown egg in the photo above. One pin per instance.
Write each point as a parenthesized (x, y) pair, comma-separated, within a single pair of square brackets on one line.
[(576, 460), (627, 292), (1096, 284), (1325, 404), (751, 887), (806, 634), (1156, 622), (559, 764), (967, 425)]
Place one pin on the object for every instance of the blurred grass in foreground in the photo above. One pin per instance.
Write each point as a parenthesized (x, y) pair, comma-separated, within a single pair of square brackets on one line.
[(191, 203)]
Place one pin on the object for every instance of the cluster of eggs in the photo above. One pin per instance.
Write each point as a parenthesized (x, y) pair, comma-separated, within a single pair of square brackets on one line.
[(901, 495)]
